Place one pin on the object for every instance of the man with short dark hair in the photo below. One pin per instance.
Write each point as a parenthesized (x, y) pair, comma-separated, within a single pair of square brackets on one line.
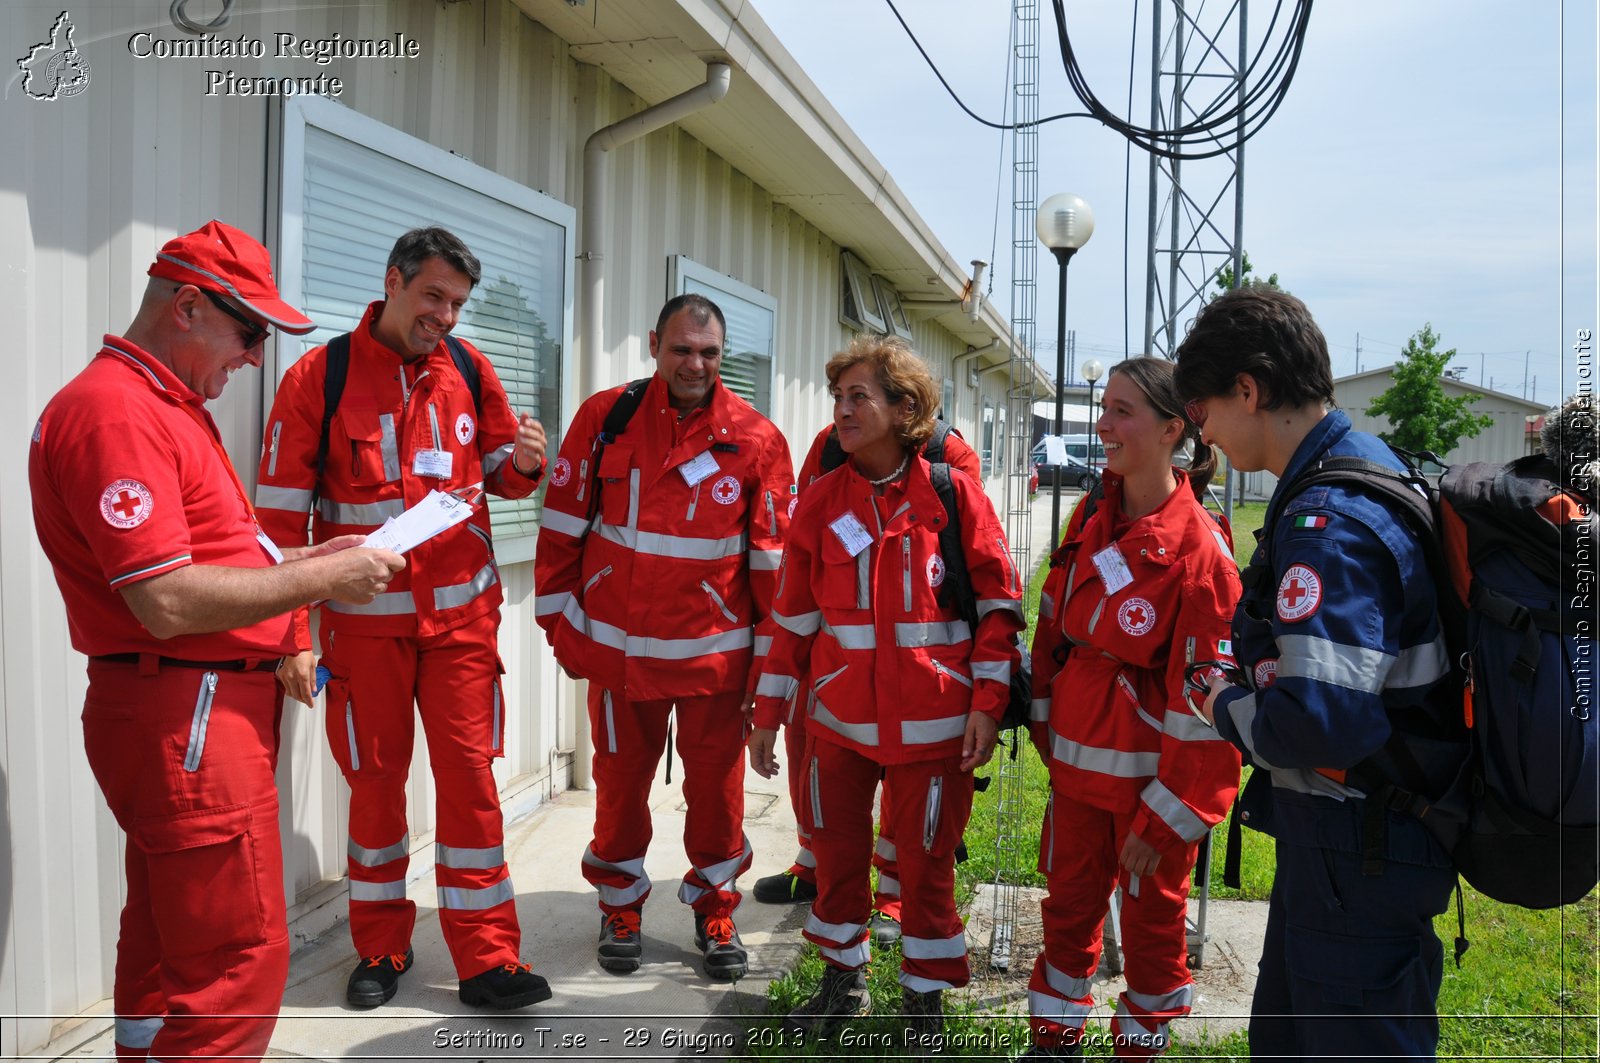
[(1339, 636), (658, 556), (409, 421), (183, 609)]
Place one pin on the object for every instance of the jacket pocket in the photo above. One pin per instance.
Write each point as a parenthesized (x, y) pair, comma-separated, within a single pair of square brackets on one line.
[(371, 447), (951, 674), (497, 712), (200, 721), (814, 785), (931, 811), (616, 485), (209, 865), (841, 585)]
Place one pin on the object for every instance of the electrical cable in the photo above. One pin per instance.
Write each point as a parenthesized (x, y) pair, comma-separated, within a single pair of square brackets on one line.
[(1000, 166), (1127, 182)]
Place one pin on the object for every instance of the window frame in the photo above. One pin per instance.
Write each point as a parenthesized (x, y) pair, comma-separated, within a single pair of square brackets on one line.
[(299, 112), (681, 268), (856, 278)]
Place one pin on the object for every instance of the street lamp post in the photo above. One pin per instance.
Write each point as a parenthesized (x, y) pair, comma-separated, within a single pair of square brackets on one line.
[(1064, 224), (1091, 372)]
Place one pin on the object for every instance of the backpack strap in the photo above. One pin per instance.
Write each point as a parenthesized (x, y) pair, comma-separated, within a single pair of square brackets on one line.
[(468, 370), (933, 450), (956, 590), (336, 370), (832, 452), (616, 422)]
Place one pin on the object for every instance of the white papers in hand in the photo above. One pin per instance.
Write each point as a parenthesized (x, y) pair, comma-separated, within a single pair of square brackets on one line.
[(420, 523)]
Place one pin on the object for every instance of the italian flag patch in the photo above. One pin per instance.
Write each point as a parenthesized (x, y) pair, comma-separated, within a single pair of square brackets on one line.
[(1311, 522)]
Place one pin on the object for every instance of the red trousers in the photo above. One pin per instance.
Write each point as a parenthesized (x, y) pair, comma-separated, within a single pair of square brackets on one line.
[(1078, 854), (886, 898), (629, 738), (454, 681), (185, 759), (927, 805)]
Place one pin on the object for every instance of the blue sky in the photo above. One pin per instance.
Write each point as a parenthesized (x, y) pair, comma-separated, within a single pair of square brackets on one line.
[(1414, 174)]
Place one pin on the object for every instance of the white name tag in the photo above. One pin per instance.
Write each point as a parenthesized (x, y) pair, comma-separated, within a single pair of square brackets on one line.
[(852, 534), (270, 547), (698, 468), (1113, 569), (435, 463)]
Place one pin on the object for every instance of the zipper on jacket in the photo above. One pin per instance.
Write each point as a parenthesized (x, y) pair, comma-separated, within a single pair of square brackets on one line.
[(816, 796), (824, 680), (772, 516), (905, 557), (583, 479), (611, 723), (1050, 833), (592, 580), (272, 455), (1094, 618), (930, 816), (433, 426), (350, 732), (498, 719), (694, 501), (1005, 559), (952, 674), (202, 718), (705, 585)]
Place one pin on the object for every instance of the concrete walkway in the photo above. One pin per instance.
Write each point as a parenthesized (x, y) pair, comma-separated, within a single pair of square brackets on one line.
[(668, 1009)]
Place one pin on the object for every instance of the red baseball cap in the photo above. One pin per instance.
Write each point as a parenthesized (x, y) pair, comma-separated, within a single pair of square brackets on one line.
[(217, 257)]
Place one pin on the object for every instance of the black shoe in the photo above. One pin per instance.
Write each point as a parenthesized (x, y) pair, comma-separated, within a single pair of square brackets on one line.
[(840, 997), (375, 979), (511, 985), (716, 938), (885, 928), (786, 887), (1053, 1053), (620, 949), (924, 1016)]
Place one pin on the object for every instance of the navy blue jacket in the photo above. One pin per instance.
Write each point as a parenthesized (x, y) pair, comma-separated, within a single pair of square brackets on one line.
[(1347, 633)]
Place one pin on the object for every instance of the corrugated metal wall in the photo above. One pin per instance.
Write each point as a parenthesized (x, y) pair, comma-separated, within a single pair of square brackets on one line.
[(91, 186), (1500, 442)]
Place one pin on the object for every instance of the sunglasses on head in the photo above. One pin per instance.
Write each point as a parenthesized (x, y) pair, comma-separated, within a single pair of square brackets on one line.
[(1195, 410), (257, 332)]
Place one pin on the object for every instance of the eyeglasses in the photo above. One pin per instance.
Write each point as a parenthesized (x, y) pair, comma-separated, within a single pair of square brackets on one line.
[(257, 332), (1195, 410)]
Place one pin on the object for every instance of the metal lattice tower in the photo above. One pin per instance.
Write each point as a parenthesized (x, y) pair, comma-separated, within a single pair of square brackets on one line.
[(1198, 56), (1011, 822)]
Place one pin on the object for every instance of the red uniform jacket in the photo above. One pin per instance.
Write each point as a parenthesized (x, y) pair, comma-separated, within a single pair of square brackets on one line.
[(388, 413), (659, 595), (1116, 724), (895, 672)]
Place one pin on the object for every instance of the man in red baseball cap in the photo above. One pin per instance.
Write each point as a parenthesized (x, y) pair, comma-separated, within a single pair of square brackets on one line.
[(183, 608)]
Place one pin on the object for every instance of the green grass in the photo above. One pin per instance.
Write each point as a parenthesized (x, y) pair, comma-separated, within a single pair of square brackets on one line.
[(1527, 988)]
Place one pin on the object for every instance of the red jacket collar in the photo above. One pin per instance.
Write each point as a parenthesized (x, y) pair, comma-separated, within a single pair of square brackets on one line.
[(147, 367)]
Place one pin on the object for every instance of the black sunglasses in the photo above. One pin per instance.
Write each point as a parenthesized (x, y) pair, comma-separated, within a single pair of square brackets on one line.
[(257, 332)]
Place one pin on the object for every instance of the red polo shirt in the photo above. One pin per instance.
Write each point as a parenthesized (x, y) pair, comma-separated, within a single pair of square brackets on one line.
[(130, 481)]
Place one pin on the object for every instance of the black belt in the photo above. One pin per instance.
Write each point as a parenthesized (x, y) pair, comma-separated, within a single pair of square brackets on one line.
[(250, 664)]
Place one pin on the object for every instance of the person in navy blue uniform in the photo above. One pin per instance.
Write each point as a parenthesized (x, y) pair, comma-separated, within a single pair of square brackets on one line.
[(1337, 642)]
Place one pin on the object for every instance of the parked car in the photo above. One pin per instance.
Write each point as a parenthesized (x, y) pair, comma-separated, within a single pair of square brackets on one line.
[(1074, 471)]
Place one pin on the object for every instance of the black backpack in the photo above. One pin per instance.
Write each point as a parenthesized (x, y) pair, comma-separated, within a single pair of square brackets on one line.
[(338, 371), (1504, 771), (956, 591)]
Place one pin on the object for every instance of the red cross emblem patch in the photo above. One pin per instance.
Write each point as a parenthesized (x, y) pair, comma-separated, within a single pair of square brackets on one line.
[(126, 504), (1299, 593), (935, 570), (1136, 616), (1266, 673), (726, 490), (465, 429), (560, 472)]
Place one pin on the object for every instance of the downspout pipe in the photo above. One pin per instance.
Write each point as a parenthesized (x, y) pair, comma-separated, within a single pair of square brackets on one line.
[(592, 230), (593, 367)]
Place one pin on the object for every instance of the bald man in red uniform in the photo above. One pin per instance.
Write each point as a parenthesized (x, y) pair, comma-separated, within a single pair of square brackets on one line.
[(183, 610)]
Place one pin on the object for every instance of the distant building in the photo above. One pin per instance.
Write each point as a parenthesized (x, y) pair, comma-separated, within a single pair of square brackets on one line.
[(1509, 437)]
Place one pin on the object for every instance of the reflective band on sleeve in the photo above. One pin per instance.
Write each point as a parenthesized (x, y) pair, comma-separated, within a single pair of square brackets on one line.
[(378, 891), (551, 604), (852, 636), (496, 458), (477, 859), (1113, 762), (772, 685), (763, 645), (989, 605), (359, 513), (459, 594), (390, 447), (360, 854), (594, 630), (563, 523), (934, 633), (389, 603), (1419, 665), (460, 899), (950, 948), (803, 625), (863, 733), (928, 732), (1187, 727), (1325, 661), (1172, 811), (765, 560), (999, 671), (289, 499), (1039, 710), (683, 547), (1047, 607)]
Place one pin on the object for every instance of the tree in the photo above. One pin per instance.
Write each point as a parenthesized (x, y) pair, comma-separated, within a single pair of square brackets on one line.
[(1423, 417), (1224, 277)]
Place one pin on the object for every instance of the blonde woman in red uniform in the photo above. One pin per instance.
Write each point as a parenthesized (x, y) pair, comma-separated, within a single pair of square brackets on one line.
[(1140, 590), (901, 689)]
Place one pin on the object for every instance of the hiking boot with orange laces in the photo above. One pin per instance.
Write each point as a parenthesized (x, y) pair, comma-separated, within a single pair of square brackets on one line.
[(375, 979), (508, 986), (716, 938), (620, 949)]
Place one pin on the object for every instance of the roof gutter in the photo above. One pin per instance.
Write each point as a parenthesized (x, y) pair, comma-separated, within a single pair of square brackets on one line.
[(592, 230)]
